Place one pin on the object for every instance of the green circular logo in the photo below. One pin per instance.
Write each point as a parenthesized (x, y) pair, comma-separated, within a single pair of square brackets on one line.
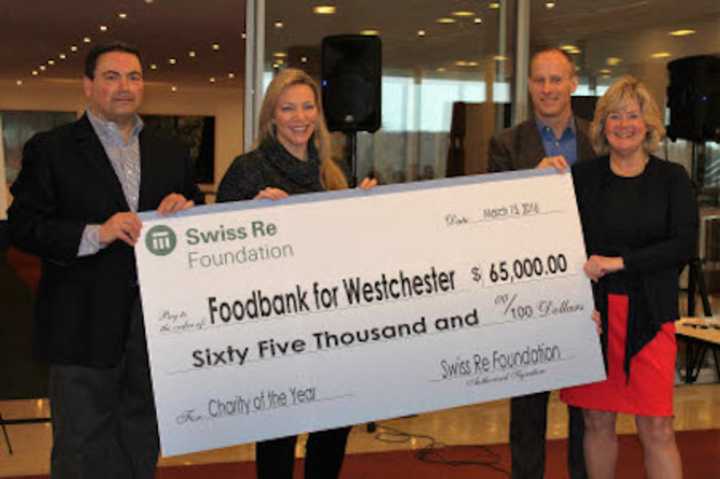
[(160, 240)]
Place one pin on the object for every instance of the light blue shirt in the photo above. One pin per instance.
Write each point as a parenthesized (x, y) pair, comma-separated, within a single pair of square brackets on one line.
[(565, 146), (125, 160)]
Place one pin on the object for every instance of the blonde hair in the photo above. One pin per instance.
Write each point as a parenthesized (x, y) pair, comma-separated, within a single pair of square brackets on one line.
[(331, 175), (623, 90)]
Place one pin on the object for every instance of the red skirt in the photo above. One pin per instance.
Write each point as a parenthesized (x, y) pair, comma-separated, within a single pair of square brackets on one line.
[(652, 371)]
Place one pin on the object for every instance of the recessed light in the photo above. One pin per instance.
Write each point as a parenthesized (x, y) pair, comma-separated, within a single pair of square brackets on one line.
[(173, 88), (303, 59), (51, 62), (682, 33), (192, 54), (421, 33), (477, 20), (441, 69), (19, 83), (446, 20), (461, 63), (370, 33), (472, 64), (494, 5), (62, 56), (276, 66), (500, 58), (122, 15), (149, 1), (605, 71), (73, 48), (280, 61), (280, 55), (212, 79), (103, 28), (568, 47), (549, 5), (231, 75), (463, 13), (153, 66), (613, 61), (216, 46), (279, 24), (244, 35), (42, 68), (172, 61), (661, 55), (35, 73), (324, 9), (86, 40)]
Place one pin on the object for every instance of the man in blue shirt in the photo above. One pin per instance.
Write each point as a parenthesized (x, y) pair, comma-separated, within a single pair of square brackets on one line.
[(554, 137)]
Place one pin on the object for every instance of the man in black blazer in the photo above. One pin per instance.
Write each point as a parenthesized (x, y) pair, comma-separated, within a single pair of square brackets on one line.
[(553, 138), (75, 206)]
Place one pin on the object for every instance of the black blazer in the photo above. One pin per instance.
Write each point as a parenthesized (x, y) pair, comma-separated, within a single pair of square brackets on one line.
[(521, 148), (67, 182)]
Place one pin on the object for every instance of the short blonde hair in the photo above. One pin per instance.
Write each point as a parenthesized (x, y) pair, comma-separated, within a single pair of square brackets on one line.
[(331, 175), (624, 89)]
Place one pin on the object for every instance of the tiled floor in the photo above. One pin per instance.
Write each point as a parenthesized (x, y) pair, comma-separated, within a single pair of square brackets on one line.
[(696, 407)]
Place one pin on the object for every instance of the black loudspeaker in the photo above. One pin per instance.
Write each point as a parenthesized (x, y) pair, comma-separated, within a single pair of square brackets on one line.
[(351, 86), (693, 97)]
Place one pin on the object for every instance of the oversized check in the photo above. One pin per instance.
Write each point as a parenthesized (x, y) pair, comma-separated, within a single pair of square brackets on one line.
[(267, 319)]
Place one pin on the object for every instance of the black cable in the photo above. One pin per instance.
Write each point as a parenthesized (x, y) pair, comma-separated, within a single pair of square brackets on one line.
[(433, 452)]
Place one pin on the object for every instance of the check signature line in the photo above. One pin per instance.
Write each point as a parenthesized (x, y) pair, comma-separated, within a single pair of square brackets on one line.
[(509, 370)]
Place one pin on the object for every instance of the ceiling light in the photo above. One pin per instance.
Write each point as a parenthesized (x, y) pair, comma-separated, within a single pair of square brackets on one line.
[(324, 9), (173, 88), (446, 20), (568, 47), (549, 5), (149, 1), (103, 28), (122, 16), (216, 46), (153, 66), (494, 5), (51, 62), (42, 68), (605, 71), (441, 69), (421, 33), (461, 63), (370, 32), (244, 35), (19, 83), (660, 55), (172, 61), (477, 20), (472, 64), (303, 59), (192, 54), (463, 13), (212, 79), (86, 40), (500, 58), (35, 73), (279, 24), (280, 55), (73, 48), (613, 61), (231, 75), (575, 51), (62, 56), (682, 33)]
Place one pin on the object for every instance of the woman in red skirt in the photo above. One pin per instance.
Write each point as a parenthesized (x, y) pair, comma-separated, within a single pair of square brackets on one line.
[(640, 223)]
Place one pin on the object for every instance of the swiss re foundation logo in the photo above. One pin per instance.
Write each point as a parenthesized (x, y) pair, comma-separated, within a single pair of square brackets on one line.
[(160, 240)]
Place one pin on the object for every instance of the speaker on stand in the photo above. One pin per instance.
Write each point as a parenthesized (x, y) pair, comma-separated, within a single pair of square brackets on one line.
[(693, 97), (351, 87)]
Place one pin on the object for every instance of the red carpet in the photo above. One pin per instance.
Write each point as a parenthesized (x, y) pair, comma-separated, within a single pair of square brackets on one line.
[(700, 451)]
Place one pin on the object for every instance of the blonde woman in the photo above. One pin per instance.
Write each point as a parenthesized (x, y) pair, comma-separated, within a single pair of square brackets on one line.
[(640, 222), (291, 156)]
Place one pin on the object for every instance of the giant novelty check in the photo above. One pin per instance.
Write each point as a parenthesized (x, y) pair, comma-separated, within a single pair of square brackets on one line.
[(269, 319)]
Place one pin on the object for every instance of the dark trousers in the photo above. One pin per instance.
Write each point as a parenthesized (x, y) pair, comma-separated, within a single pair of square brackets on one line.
[(104, 421), (324, 455), (528, 425)]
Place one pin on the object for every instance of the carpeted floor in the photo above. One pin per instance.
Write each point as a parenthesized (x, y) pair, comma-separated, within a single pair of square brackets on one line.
[(700, 452)]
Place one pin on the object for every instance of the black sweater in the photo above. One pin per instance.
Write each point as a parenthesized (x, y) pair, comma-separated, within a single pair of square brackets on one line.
[(651, 221), (270, 165)]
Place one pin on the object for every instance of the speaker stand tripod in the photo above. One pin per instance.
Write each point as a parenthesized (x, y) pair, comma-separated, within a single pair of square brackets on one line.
[(352, 156)]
